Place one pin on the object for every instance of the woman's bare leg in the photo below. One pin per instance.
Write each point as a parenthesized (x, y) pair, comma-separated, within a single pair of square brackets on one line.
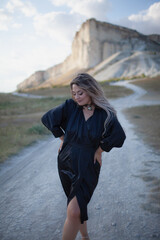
[(83, 230), (72, 223)]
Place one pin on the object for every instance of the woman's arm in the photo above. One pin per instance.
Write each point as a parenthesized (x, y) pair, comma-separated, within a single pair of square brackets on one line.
[(114, 136), (56, 119)]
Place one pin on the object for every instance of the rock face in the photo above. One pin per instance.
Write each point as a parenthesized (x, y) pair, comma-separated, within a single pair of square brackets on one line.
[(154, 37), (127, 64), (93, 44)]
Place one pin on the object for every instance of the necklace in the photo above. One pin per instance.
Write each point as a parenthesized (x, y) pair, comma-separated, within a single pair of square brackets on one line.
[(88, 106)]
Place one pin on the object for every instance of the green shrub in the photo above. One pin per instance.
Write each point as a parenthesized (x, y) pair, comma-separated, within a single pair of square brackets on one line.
[(38, 129)]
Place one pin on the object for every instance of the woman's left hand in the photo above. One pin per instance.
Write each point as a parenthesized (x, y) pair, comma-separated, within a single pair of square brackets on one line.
[(98, 156)]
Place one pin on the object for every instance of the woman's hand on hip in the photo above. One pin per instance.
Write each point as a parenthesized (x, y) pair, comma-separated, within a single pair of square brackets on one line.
[(60, 147), (98, 156)]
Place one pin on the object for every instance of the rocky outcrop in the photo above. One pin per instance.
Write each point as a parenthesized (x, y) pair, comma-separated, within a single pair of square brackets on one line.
[(97, 41), (94, 43), (154, 37), (34, 81), (127, 65)]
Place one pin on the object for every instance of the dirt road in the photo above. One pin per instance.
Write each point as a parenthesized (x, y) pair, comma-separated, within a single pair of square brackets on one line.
[(32, 203)]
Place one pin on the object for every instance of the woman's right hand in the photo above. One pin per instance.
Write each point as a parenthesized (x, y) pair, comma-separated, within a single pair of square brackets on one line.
[(60, 147)]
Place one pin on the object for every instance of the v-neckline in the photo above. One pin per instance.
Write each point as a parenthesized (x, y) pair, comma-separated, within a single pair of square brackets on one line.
[(89, 117)]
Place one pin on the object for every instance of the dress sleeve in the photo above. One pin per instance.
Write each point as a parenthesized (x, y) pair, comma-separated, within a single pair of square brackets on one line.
[(55, 119), (114, 136)]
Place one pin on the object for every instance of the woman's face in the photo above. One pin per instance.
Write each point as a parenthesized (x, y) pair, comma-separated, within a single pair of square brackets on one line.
[(80, 95)]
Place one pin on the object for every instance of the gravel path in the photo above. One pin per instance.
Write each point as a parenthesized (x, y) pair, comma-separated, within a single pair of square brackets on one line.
[(33, 205)]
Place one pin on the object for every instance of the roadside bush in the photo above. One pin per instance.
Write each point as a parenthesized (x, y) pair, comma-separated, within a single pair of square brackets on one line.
[(38, 129)]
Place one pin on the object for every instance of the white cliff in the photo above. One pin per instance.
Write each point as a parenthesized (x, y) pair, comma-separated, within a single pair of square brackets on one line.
[(98, 44)]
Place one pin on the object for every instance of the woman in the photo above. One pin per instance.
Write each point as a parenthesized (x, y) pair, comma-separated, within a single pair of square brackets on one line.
[(87, 125)]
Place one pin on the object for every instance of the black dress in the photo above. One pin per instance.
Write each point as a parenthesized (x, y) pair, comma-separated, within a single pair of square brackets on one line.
[(78, 173)]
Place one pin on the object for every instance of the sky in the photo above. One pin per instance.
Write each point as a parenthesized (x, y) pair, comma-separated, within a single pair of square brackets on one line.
[(38, 34)]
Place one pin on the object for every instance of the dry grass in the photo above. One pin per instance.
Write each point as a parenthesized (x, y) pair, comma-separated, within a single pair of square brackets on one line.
[(20, 123), (152, 86), (110, 91), (146, 118), (60, 91), (146, 124), (14, 105)]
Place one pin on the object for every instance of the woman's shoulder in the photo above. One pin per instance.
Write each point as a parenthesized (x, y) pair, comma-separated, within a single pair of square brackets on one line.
[(70, 104), (70, 101), (102, 112), (104, 115)]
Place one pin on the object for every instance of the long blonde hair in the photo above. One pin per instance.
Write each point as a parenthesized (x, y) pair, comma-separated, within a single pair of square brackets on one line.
[(94, 90)]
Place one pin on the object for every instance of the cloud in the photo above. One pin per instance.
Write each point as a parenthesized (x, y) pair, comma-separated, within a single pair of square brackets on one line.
[(5, 20), (60, 26), (24, 7), (151, 14), (89, 8), (63, 25), (147, 21), (18, 62), (16, 25), (8, 14)]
